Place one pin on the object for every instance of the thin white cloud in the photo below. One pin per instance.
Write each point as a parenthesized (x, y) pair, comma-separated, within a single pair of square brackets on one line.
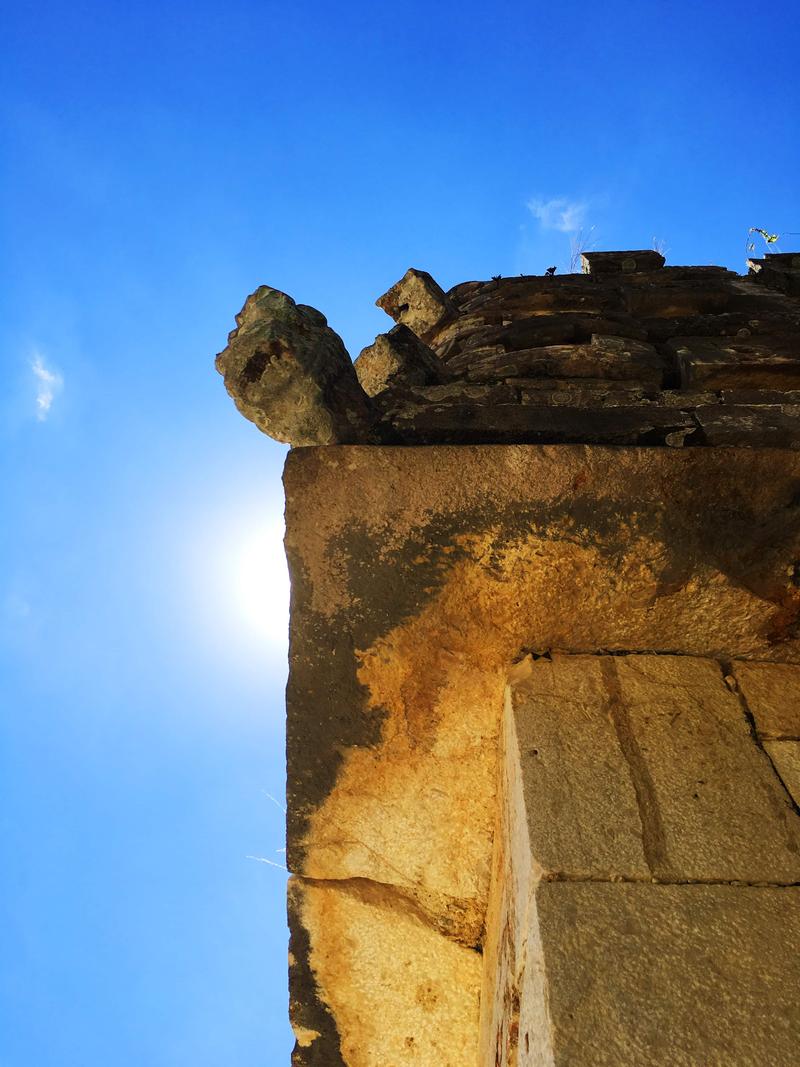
[(560, 213), (48, 383)]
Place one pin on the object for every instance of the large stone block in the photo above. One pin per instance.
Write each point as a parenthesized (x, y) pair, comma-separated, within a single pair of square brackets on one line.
[(397, 358), (754, 426), (644, 259), (772, 692), (614, 358), (644, 766), (419, 302), (645, 976), (399, 992), (476, 423), (785, 756), (732, 363)]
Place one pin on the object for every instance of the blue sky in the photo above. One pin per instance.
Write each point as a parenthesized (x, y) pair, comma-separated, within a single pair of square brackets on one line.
[(158, 162)]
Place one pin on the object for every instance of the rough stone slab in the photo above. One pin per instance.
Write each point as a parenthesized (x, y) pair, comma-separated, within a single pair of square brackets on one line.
[(723, 363), (397, 358), (460, 293), (619, 386), (419, 302), (686, 399), (785, 756), (476, 423), (536, 294), (388, 988), (754, 426), (628, 360), (725, 324), (576, 786), (454, 333), (621, 262), (643, 976), (780, 271), (772, 693), (571, 393), (462, 391), (755, 397), (665, 296), (783, 259), (640, 766)]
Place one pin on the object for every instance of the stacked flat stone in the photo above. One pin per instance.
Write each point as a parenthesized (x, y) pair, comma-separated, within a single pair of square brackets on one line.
[(629, 352)]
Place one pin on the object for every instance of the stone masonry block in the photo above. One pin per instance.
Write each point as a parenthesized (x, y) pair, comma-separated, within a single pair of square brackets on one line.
[(785, 756), (419, 302), (641, 975), (638, 766), (772, 693)]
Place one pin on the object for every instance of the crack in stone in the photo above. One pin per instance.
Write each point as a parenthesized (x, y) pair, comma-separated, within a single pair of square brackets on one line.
[(388, 896), (566, 876), (730, 681), (654, 842)]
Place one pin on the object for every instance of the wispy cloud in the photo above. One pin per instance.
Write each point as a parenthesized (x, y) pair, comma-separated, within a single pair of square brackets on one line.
[(48, 383), (560, 213)]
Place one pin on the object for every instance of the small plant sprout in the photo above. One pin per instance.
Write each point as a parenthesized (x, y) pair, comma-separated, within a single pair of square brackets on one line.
[(581, 241), (769, 238)]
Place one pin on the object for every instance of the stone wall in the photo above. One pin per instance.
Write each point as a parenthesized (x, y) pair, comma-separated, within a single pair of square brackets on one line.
[(646, 894), (420, 576), (542, 737), (630, 352)]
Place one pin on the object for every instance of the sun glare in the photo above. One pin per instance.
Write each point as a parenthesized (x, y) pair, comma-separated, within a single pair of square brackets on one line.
[(260, 582)]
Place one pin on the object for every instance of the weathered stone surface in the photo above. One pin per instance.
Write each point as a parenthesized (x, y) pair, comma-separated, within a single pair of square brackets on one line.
[(686, 292), (399, 992), (494, 393), (397, 358), (783, 259), (752, 426), (475, 423), (621, 262), (642, 976), (583, 393), (578, 792), (703, 327), (712, 363), (750, 397), (615, 336), (772, 694), (290, 374), (644, 766), (455, 334), (611, 358), (777, 271), (585, 968), (417, 301), (534, 295), (785, 756), (460, 293), (414, 590), (662, 329)]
